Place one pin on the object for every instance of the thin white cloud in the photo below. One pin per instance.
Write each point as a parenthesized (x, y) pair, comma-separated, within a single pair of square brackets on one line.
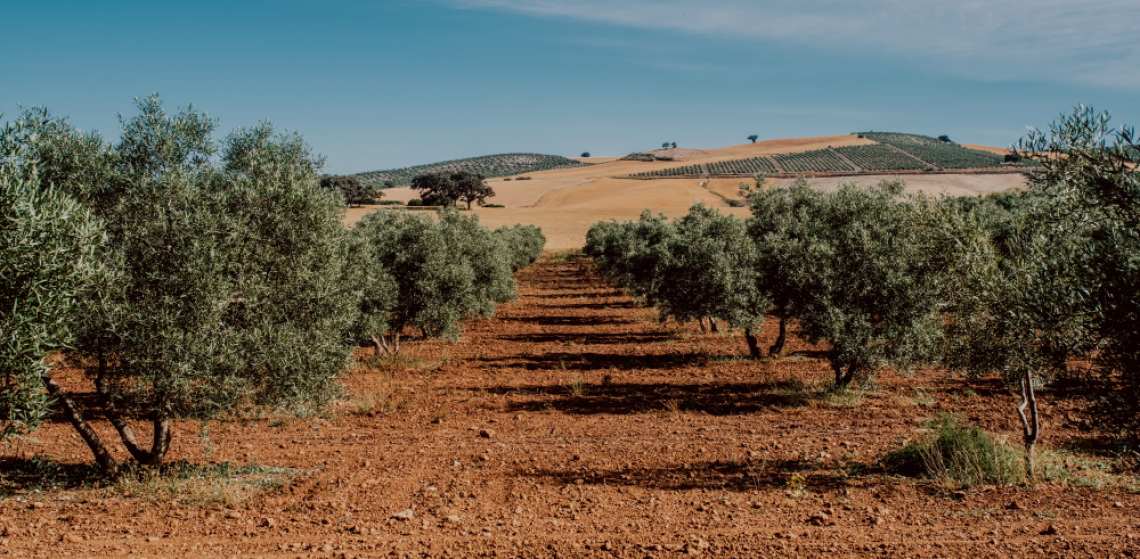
[(1089, 42)]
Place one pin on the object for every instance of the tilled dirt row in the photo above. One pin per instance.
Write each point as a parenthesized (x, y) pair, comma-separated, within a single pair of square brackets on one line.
[(574, 424)]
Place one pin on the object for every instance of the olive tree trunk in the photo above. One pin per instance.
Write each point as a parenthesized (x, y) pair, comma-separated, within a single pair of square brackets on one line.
[(778, 348), (1031, 423), (753, 344), (845, 372), (160, 421), (103, 458)]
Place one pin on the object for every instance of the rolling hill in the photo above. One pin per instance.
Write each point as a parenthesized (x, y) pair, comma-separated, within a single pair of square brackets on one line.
[(490, 166), (565, 201)]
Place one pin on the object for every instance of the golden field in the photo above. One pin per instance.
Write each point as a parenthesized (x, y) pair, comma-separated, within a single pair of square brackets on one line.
[(566, 202)]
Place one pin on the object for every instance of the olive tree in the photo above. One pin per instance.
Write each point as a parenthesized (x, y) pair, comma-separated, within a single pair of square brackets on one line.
[(524, 243), (1060, 276), (50, 152), (782, 218), (488, 256), (445, 270), (699, 267), (226, 279), (633, 253), (1011, 308), (852, 270), (1090, 178), (50, 259), (710, 273)]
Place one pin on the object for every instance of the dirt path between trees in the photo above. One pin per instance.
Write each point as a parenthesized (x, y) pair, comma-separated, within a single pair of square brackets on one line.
[(574, 424)]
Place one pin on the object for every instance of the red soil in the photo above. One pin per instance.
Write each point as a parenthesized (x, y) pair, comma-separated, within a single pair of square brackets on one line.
[(574, 424)]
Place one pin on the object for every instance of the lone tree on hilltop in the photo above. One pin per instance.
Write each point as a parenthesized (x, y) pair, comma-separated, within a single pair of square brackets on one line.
[(585, 154), (754, 137), (944, 138), (444, 188)]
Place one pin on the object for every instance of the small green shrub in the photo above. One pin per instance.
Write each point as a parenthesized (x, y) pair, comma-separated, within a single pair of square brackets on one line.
[(963, 454), (415, 202)]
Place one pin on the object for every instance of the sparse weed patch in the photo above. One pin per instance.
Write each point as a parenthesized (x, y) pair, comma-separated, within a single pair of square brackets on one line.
[(672, 409), (841, 397), (192, 484), (178, 482), (792, 393), (728, 358), (376, 401), (922, 397), (796, 486), (577, 386), (1085, 472), (43, 473)]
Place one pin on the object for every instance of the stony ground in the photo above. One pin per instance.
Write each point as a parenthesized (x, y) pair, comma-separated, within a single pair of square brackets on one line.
[(574, 424)]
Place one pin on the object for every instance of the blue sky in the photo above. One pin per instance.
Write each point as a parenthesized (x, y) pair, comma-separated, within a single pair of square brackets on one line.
[(381, 84)]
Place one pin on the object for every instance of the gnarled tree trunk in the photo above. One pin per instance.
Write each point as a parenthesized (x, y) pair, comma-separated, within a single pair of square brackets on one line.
[(778, 348), (844, 374), (160, 419), (753, 344), (103, 458), (1031, 424)]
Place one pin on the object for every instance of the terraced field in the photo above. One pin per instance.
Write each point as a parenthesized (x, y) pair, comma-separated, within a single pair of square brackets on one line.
[(882, 152), (674, 171), (815, 161), (749, 166), (944, 155), (880, 157)]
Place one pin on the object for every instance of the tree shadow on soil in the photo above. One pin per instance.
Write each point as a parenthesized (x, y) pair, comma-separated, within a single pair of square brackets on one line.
[(590, 361), (621, 399), (18, 475), (587, 338), (568, 320), (600, 306), (580, 287), (729, 475)]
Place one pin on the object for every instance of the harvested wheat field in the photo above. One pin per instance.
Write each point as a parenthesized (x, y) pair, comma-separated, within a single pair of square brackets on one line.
[(574, 424), (566, 202)]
